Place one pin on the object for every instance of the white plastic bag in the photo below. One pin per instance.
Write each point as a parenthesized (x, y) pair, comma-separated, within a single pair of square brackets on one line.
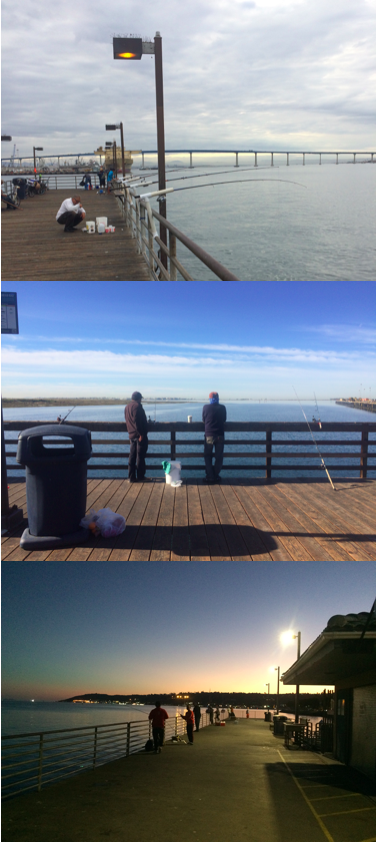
[(104, 521), (174, 476), (110, 523)]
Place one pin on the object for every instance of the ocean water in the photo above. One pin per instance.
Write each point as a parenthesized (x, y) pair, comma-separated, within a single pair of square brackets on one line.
[(262, 411), (296, 223)]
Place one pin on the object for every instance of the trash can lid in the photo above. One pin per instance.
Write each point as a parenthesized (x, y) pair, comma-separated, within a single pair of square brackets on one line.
[(30, 441)]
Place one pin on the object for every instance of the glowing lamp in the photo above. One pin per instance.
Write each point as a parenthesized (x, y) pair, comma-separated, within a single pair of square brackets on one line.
[(128, 48)]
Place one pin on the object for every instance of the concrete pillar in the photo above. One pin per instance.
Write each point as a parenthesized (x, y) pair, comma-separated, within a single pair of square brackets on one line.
[(237, 165), (255, 159), (287, 159), (190, 160), (272, 159)]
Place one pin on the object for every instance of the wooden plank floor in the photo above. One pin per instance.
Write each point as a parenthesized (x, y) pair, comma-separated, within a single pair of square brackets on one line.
[(36, 248), (261, 521)]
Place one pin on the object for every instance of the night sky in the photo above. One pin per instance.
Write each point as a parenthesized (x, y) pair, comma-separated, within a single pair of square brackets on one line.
[(74, 628)]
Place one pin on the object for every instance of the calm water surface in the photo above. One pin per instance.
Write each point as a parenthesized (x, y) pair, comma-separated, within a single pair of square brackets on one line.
[(236, 411)]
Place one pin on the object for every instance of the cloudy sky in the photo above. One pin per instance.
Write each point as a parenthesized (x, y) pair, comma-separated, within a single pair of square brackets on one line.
[(264, 74), (73, 629), (252, 339)]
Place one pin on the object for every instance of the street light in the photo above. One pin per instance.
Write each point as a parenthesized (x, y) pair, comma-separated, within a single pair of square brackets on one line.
[(133, 49), (277, 692), (40, 149), (112, 128), (287, 638)]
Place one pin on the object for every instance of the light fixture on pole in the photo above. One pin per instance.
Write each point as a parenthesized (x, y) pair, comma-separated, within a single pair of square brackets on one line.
[(40, 149), (133, 49), (112, 128)]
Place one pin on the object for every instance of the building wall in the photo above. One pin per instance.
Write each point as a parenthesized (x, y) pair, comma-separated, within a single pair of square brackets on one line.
[(363, 740)]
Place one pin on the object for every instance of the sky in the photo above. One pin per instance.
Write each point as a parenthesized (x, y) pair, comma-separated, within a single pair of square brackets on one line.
[(143, 628), (246, 340), (261, 75)]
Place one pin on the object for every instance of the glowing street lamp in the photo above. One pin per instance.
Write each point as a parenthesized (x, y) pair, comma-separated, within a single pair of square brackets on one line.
[(287, 638), (133, 49)]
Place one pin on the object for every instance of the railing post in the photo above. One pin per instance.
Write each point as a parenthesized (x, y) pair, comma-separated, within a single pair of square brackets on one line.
[(95, 747), (40, 764), (268, 452), (172, 445), (172, 254), (128, 738), (364, 455)]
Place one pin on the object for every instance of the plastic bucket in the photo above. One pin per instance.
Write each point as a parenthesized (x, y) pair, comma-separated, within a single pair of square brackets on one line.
[(91, 227)]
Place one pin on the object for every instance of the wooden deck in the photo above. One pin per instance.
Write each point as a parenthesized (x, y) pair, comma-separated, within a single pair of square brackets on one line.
[(261, 521), (36, 248)]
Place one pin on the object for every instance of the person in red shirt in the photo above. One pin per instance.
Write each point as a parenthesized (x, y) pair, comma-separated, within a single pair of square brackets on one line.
[(189, 717), (158, 716)]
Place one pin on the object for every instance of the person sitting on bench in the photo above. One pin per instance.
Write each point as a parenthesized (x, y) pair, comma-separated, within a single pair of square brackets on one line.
[(70, 213)]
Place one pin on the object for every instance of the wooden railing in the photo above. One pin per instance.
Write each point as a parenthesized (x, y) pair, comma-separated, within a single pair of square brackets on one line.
[(267, 447), (163, 262)]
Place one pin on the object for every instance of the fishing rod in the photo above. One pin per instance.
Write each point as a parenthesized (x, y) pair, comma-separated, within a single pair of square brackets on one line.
[(311, 433), (236, 181), (61, 421)]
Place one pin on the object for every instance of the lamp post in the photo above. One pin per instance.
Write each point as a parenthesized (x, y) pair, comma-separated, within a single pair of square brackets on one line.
[(277, 691), (39, 149), (286, 638), (112, 128), (133, 49), (268, 694)]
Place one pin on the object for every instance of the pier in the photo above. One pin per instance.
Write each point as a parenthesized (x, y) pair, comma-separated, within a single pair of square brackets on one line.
[(236, 783), (36, 248), (264, 518)]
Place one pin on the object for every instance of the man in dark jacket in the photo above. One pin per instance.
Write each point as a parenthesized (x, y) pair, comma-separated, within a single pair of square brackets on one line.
[(137, 428), (214, 418)]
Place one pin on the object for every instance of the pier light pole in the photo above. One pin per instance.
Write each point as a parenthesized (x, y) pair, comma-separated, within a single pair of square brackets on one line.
[(133, 49), (39, 149), (287, 638), (277, 691), (112, 128)]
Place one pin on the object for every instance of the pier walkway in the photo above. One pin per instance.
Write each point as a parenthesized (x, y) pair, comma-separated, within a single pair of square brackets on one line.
[(240, 521), (236, 783), (36, 248)]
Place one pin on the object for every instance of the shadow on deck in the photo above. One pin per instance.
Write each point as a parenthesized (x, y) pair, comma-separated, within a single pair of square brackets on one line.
[(243, 521)]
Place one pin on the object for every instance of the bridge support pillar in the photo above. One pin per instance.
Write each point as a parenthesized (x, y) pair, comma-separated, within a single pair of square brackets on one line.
[(287, 159), (255, 159), (272, 159), (237, 164), (191, 161), (303, 159)]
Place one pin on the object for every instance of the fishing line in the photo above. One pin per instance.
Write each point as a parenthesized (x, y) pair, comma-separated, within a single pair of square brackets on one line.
[(316, 406), (236, 181), (311, 433)]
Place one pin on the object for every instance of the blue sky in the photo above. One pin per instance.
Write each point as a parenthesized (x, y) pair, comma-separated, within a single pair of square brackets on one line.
[(288, 74), (73, 628), (246, 340)]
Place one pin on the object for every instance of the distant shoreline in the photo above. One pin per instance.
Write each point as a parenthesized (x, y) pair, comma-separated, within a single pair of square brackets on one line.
[(98, 402)]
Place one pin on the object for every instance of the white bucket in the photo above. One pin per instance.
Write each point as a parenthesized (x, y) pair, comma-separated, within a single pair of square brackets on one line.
[(91, 227), (174, 476)]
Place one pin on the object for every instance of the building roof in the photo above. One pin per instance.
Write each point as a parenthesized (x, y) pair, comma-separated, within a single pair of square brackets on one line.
[(346, 647)]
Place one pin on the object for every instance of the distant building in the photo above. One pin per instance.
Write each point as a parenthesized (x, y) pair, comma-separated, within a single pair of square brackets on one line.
[(345, 655)]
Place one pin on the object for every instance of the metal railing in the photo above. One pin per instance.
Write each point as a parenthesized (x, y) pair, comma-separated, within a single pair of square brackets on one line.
[(32, 760), (163, 262), (269, 447)]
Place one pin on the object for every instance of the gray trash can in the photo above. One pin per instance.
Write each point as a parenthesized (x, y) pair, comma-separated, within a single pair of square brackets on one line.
[(279, 720), (56, 479)]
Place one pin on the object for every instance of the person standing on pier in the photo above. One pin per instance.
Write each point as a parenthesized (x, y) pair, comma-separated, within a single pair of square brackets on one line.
[(197, 715), (214, 418), (137, 428), (189, 717), (158, 716), (70, 213)]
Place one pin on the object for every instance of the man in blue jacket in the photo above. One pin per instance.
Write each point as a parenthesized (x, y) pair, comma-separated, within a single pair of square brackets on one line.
[(214, 418)]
